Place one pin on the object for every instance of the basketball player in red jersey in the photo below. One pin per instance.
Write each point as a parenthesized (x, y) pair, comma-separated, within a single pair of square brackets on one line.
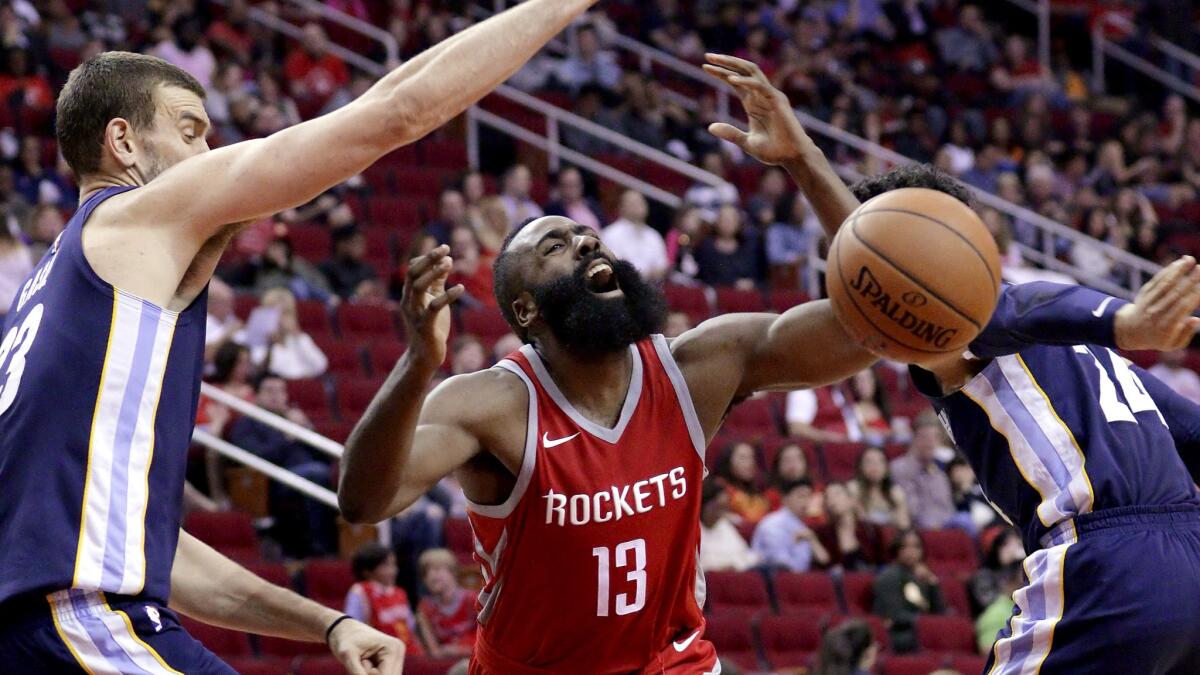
[(582, 452)]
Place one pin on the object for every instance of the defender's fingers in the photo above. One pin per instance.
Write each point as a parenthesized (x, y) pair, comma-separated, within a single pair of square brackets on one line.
[(1165, 277), (1170, 302), (740, 66), (728, 132), (422, 284), (417, 266), (446, 298)]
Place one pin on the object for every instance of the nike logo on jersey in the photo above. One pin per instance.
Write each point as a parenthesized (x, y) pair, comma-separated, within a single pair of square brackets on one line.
[(1099, 311), (550, 443), (680, 646)]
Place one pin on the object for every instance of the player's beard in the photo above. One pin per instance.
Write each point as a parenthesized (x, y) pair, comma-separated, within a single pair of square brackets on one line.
[(588, 324)]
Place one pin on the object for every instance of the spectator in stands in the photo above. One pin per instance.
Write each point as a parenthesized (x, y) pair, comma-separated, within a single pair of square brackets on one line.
[(1019, 74), (738, 467), (42, 185), (996, 616), (312, 72), (472, 268), (21, 86), (905, 590), (572, 202), (272, 97), (452, 213), (290, 353), (967, 46), (446, 613), (848, 649), (42, 227), (589, 104), (968, 496), (1171, 369), (492, 226), (686, 233), (732, 256), (722, 548), (347, 270), (926, 487), (185, 48), (793, 235), (515, 195), (11, 201), (377, 601), (677, 324), (852, 544), (801, 411), (1089, 255), (507, 344), (467, 355), (315, 534), (279, 267), (589, 63), (782, 539), (790, 465), (1004, 555), (16, 264), (221, 324), (879, 500), (678, 39), (710, 198), (866, 411), (631, 238), (230, 35)]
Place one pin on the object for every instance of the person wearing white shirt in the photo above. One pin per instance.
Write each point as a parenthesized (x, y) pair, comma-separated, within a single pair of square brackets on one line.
[(291, 353), (630, 238), (709, 198), (722, 547), (517, 184), (1172, 371), (16, 264)]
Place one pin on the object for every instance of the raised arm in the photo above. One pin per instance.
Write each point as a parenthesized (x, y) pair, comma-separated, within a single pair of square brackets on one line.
[(776, 137), (211, 588), (261, 177)]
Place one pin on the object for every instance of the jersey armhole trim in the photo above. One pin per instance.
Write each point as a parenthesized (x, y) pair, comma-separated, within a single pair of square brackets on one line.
[(528, 460), (695, 431)]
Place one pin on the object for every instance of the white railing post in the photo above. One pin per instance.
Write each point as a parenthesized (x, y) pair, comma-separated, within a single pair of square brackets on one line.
[(1098, 57), (1043, 17), (552, 151), (472, 139)]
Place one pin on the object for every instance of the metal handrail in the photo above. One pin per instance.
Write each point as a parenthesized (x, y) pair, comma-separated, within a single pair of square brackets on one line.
[(390, 46), (296, 431), (272, 471), (1103, 47), (297, 33)]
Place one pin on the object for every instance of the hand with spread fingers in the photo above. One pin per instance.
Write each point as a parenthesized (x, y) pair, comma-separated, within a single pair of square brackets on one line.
[(425, 304), (1161, 316), (775, 136)]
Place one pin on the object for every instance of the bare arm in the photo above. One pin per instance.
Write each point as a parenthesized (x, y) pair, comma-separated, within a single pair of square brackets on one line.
[(261, 177), (776, 137), (211, 588)]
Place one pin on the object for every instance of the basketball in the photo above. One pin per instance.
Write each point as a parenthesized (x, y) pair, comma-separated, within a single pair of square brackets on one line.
[(913, 273)]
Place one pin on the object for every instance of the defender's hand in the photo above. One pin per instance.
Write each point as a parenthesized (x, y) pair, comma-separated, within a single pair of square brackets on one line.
[(425, 304), (775, 136), (1160, 317), (362, 650)]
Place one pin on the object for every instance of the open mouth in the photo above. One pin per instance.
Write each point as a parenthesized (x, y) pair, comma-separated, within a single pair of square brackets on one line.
[(600, 278)]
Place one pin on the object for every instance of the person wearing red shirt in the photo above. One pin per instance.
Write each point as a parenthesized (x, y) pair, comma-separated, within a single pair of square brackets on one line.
[(447, 614), (377, 601), (472, 268), (313, 72)]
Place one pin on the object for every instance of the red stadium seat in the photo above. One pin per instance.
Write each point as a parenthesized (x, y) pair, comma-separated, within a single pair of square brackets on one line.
[(789, 641), (806, 592), (323, 665), (364, 322), (968, 665), (419, 182), (753, 416), (443, 154), (270, 665), (730, 633), (741, 593), (841, 459), (337, 430), (484, 323), (380, 248), (397, 213), (383, 355), (738, 300), (345, 356), (355, 394), (954, 593), (327, 581), (243, 304), (223, 642), (230, 532), (314, 317), (311, 242), (858, 591), (275, 573), (877, 625), (949, 551), (428, 665), (287, 649), (690, 300), (781, 300), (310, 396), (460, 539), (920, 664), (946, 634)]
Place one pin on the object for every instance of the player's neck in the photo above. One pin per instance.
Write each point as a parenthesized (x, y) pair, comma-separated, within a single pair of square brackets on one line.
[(595, 384)]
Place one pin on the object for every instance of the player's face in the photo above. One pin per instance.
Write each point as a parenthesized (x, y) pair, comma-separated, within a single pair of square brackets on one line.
[(179, 132), (592, 302)]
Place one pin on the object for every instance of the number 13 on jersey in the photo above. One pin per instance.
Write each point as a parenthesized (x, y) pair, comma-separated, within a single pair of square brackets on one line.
[(631, 556)]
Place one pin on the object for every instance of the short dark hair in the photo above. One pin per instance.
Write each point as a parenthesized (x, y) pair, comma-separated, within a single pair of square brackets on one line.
[(788, 486), (263, 377), (504, 280), (105, 87), (367, 558), (912, 176)]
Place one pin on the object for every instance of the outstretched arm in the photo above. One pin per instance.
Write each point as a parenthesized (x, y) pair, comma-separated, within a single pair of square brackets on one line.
[(776, 137), (261, 177), (211, 588)]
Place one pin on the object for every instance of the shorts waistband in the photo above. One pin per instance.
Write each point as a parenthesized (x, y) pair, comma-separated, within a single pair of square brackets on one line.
[(36, 607), (1074, 529)]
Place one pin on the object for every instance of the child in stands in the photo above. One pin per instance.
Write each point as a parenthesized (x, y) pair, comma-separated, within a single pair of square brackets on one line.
[(447, 612), (377, 601)]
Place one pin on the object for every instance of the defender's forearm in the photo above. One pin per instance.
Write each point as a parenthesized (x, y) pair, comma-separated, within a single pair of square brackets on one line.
[(211, 588), (378, 449), (831, 199)]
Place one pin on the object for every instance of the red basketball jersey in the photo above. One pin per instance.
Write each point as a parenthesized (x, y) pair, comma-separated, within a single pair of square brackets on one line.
[(590, 566)]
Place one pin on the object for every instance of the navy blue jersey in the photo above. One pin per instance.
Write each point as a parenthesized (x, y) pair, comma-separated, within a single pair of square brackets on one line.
[(98, 394), (1058, 430)]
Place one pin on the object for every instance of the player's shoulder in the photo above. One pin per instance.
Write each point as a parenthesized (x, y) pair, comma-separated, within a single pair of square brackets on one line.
[(720, 335), (489, 394)]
